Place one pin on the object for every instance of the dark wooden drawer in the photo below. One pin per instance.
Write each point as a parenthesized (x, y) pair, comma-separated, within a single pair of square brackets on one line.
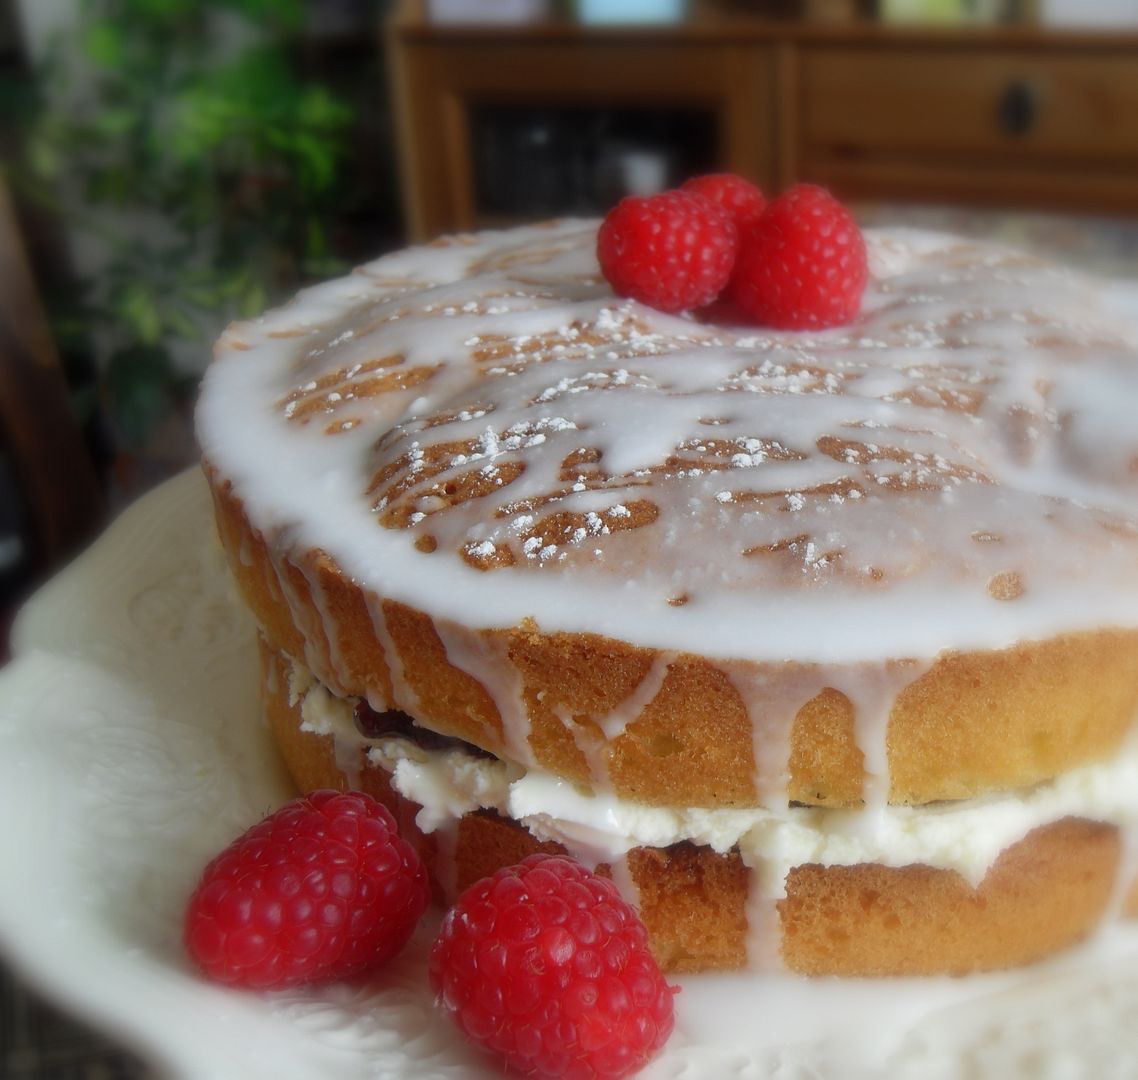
[(959, 101)]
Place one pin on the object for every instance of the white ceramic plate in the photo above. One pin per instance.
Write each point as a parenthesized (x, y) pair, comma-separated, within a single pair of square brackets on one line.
[(130, 752)]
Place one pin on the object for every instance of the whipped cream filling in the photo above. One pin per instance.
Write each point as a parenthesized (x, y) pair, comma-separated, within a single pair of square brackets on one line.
[(966, 837)]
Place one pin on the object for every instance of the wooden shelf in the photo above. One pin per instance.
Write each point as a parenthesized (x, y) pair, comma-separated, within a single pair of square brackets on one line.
[(1004, 115), (750, 29)]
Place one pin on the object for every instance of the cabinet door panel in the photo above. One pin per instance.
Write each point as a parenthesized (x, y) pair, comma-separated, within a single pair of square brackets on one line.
[(439, 83)]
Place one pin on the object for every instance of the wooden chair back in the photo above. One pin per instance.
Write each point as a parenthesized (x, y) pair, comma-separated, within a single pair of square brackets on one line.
[(38, 430)]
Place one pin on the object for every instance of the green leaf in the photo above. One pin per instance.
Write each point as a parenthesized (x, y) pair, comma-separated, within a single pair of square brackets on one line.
[(230, 158), (317, 108), (103, 44), (182, 325), (287, 14), (42, 157), (236, 284), (161, 10), (115, 122), (139, 313), (206, 297), (317, 240), (255, 300)]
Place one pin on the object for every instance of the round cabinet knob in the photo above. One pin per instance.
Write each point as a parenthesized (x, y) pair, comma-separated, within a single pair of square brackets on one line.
[(1018, 108)]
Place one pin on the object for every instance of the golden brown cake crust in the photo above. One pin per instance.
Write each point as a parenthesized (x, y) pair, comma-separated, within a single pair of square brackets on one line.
[(1043, 893), (973, 723)]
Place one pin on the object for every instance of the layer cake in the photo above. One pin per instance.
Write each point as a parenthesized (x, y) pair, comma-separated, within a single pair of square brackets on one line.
[(823, 646)]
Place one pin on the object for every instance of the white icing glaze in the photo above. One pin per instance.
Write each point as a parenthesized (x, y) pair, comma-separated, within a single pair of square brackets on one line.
[(622, 877), (1032, 1017), (481, 431), (594, 742), (613, 723), (764, 927), (1126, 875), (328, 628), (312, 630), (745, 494), (403, 696), (588, 740), (772, 700), (872, 693), (485, 659)]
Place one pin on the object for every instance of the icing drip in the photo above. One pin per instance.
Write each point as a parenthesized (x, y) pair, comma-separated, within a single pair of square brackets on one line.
[(487, 660), (329, 630), (1127, 876), (764, 928), (272, 679), (772, 700), (622, 878), (244, 554), (873, 693), (591, 745), (614, 722), (403, 696), (300, 613), (446, 863)]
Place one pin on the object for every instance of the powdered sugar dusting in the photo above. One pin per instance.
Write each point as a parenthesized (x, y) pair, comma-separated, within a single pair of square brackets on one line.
[(583, 460)]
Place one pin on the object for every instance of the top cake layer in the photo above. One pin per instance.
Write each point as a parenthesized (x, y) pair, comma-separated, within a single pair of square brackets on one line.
[(481, 430)]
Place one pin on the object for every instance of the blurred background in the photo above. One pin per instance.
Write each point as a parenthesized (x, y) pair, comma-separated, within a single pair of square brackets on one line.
[(171, 164)]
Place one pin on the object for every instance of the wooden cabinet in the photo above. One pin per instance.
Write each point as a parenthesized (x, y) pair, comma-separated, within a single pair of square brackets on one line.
[(441, 83), (1010, 117), (1049, 125)]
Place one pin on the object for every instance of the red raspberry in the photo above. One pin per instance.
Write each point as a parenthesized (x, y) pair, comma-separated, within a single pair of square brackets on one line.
[(544, 964), (320, 890), (802, 265), (672, 251), (739, 197)]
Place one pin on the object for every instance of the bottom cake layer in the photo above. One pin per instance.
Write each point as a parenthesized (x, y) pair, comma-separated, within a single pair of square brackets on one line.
[(703, 912)]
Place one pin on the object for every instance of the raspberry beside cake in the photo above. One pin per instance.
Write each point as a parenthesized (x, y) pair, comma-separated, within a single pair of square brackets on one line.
[(824, 645)]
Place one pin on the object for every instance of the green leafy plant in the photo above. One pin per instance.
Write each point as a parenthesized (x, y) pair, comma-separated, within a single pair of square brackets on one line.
[(179, 144)]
